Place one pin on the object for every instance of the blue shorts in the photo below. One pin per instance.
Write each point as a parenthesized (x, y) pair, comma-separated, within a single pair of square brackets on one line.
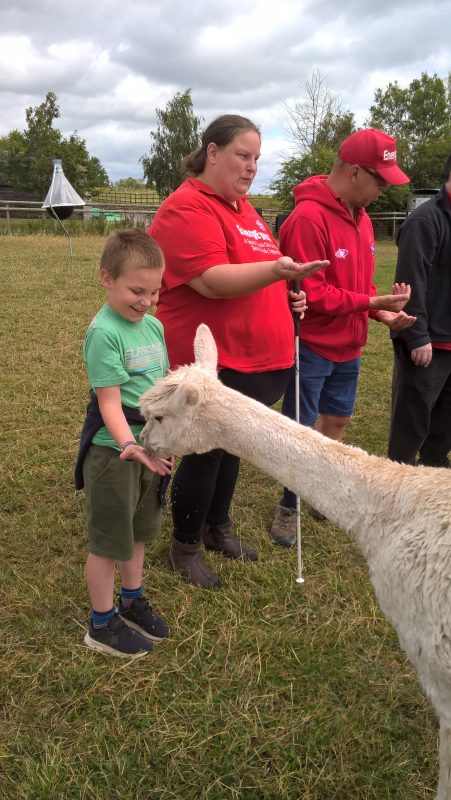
[(326, 387)]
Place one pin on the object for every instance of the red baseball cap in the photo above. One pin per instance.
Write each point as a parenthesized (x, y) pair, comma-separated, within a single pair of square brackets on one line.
[(374, 149)]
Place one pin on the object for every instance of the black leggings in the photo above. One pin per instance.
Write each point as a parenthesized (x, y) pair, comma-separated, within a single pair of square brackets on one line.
[(203, 485)]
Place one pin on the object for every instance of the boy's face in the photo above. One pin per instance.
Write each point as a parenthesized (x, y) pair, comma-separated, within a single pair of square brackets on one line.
[(134, 291)]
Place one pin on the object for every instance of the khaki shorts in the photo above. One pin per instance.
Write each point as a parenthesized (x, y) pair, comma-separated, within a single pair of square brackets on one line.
[(122, 503)]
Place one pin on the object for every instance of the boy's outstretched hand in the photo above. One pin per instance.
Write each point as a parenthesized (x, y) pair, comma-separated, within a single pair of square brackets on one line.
[(134, 452)]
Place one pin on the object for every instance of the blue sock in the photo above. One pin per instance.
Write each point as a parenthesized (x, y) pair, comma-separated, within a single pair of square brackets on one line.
[(128, 595), (102, 618)]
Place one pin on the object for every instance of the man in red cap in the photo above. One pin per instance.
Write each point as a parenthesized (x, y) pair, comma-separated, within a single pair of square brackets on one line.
[(329, 221)]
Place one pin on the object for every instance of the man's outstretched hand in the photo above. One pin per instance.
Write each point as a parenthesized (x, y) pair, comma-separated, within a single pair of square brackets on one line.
[(391, 302)]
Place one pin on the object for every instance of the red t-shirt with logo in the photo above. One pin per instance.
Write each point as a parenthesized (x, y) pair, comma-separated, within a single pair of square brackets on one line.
[(198, 229)]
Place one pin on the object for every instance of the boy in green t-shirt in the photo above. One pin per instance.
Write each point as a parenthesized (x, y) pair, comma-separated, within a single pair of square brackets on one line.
[(124, 353)]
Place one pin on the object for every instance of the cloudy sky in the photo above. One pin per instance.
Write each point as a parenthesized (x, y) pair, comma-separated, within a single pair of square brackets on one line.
[(112, 63)]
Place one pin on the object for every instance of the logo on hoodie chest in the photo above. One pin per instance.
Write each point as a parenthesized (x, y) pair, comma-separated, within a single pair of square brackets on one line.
[(341, 253)]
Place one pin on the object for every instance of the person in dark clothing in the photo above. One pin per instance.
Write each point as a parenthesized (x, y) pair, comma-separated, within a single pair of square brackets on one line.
[(421, 386)]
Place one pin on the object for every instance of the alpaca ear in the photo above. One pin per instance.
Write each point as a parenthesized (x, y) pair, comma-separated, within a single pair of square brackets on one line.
[(184, 396), (205, 349)]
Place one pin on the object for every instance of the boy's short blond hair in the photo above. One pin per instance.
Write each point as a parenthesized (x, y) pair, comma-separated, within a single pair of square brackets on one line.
[(130, 247)]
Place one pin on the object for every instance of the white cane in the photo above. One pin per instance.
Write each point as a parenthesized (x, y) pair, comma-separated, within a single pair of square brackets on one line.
[(297, 388)]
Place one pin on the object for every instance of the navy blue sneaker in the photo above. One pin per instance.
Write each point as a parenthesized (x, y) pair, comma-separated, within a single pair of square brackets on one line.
[(117, 639), (142, 618)]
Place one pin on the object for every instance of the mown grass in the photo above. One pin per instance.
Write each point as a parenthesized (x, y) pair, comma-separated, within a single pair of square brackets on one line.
[(265, 689)]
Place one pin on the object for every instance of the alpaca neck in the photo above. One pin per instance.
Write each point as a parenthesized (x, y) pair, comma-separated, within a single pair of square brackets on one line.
[(340, 481)]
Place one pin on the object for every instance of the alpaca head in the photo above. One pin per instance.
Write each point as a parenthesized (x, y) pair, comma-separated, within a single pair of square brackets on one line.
[(173, 407)]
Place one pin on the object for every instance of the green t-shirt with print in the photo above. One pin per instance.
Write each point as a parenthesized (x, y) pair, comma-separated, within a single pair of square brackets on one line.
[(131, 355)]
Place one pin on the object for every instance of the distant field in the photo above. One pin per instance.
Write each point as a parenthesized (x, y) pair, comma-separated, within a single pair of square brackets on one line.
[(265, 690), (265, 201)]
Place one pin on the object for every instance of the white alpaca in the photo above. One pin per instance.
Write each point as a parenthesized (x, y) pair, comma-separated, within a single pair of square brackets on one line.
[(400, 516)]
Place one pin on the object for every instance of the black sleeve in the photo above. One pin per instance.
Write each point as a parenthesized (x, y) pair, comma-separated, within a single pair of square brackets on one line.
[(417, 245)]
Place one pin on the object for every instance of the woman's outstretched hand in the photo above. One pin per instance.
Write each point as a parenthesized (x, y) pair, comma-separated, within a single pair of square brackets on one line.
[(290, 270)]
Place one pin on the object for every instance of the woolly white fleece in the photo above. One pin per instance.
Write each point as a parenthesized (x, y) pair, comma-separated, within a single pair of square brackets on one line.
[(400, 516)]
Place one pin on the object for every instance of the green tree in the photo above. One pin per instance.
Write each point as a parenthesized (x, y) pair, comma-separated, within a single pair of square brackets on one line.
[(390, 111), (26, 157), (13, 163), (334, 129), (294, 170), (177, 134), (313, 115), (419, 118), (317, 125), (83, 171), (130, 184)]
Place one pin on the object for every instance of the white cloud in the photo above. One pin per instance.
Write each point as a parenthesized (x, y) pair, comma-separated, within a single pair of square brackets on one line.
[(112, 65)]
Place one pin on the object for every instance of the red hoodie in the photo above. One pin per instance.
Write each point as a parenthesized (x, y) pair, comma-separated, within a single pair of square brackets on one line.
[(321, 227)]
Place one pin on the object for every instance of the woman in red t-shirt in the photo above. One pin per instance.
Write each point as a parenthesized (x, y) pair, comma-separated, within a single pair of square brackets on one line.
[(223, 267)]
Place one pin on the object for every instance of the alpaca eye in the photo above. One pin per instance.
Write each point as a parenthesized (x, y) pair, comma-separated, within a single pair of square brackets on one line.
[(158, 419)]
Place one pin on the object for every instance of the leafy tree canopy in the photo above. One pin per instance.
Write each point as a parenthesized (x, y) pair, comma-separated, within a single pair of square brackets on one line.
[(26, 157), (419, 117), (294, 170), (177, 135)]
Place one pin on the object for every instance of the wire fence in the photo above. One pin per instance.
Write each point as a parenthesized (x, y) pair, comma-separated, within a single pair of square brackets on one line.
[(125, 196), (21, 216), (386, 224)]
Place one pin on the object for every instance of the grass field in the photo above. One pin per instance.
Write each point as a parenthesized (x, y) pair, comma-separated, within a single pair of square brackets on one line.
[(265, 689)]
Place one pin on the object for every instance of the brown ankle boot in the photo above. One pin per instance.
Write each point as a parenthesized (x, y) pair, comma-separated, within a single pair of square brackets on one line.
[(283, 528), (220, 539), (186, 559)]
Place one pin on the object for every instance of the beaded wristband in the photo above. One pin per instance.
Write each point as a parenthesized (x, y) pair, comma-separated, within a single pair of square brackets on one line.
[(127, 444)]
